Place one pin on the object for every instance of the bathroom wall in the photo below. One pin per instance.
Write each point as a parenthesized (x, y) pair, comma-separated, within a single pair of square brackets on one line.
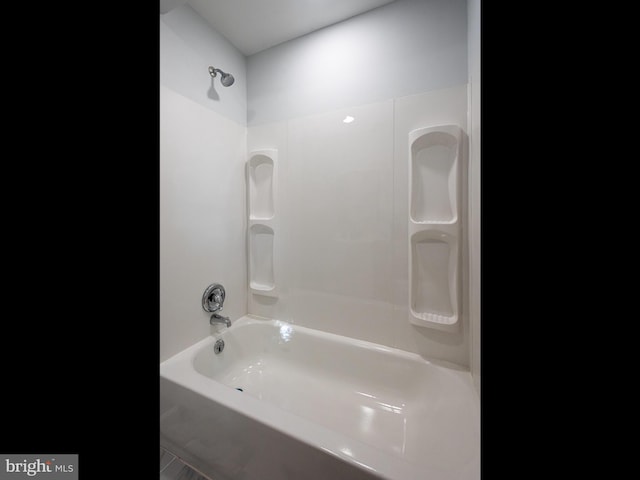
[(403, 48), (202, 199), (335, 206), (474, 184), (188, 45), (341, 244), (341, 232)]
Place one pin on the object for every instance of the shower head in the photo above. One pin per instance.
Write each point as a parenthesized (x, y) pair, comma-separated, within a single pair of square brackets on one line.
[(226, 79)]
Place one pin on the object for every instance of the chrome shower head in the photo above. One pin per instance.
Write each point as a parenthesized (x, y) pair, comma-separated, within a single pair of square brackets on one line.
[(226, 79)]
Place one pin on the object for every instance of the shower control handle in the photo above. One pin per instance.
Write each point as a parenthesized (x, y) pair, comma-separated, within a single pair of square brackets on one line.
[(213, 298)]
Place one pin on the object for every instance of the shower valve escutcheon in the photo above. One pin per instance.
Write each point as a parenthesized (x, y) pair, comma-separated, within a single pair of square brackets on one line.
[(213, 298), (212, 301)]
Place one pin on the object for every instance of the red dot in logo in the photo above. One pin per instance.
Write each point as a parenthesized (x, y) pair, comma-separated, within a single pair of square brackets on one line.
[(48, 462)]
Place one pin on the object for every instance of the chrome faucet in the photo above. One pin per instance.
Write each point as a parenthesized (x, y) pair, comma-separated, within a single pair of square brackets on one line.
[(212, 301), (216, 318)]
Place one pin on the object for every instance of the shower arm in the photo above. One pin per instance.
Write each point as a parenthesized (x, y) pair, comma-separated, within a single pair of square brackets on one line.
[(214, 71)]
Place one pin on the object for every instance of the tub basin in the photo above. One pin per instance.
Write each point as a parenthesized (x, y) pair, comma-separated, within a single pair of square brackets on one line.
[(285, 401)]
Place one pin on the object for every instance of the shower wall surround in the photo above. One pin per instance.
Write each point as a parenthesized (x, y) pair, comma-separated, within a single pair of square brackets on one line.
[(338, 236), (343, 228), (202, 218), (202, 156), (341, 255)]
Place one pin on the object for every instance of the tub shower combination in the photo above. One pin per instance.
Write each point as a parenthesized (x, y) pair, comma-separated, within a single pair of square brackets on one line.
[(266, 399)]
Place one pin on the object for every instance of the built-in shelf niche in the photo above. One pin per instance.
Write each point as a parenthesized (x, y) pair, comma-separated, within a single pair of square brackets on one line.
[(261, 259), (434, 156), (262, 185), (435, 165), (434, 288), (261, 179)]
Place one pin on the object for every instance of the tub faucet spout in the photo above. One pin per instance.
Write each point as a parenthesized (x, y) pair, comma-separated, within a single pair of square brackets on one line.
[(217, 318)]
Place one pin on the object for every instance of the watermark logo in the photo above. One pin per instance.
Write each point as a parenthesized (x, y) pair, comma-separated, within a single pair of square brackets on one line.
[(49, 467)]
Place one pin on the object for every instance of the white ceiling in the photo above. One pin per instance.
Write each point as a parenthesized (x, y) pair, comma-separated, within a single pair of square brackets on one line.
[(254, 25)]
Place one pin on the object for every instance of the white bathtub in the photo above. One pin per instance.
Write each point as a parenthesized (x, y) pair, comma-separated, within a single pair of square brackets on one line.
[(315, 405)]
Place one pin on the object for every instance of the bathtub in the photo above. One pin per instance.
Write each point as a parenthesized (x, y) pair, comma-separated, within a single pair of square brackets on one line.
[(283, 401)]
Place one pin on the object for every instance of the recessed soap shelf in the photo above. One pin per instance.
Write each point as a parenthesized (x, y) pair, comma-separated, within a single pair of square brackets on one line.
[(434, 282), (261, 179), (262, 279), (435, 168)]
